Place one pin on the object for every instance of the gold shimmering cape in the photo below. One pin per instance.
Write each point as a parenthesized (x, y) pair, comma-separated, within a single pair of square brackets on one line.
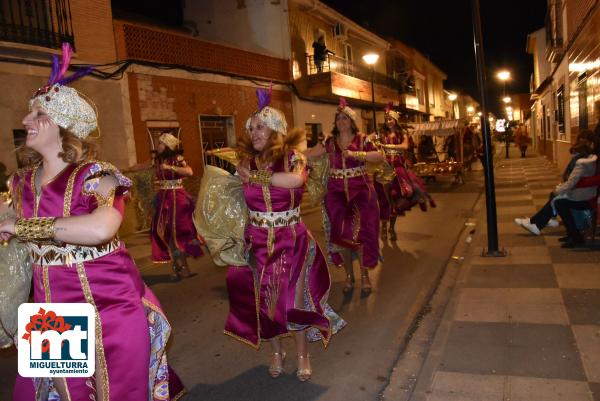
[(15, 284), (221, 215), (316, 185)]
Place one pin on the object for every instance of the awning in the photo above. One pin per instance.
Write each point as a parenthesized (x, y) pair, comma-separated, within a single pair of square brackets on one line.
[(436, 128)]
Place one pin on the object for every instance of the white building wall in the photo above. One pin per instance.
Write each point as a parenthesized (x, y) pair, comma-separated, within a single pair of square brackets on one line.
[(259, 26)]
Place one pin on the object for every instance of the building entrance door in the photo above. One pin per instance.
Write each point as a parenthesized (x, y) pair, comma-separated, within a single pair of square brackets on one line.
[(216, 132)]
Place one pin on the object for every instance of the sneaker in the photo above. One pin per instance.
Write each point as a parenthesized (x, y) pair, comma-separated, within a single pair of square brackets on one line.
[(526, 224), (553, 223)]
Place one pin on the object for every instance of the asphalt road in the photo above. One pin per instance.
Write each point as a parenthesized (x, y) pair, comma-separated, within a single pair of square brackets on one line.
[(359, 359)]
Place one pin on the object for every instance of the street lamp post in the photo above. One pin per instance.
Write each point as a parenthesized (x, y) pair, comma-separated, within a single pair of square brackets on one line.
[(488, 168), (452, 97), (504, 76), (371, 59)]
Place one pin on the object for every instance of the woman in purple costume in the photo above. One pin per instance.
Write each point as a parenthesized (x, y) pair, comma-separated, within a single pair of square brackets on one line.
[(173, 234), (400, 188), (284, 288), (69, 208), (351, 217)]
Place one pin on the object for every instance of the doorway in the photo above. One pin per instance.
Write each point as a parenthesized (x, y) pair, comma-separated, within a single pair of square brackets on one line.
[(216, 132)]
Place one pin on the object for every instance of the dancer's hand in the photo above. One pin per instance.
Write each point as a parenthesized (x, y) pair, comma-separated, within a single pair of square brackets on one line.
[(243, 173), (7, 229)]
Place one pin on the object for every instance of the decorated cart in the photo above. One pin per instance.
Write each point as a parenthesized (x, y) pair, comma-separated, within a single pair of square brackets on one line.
[(441, 149)]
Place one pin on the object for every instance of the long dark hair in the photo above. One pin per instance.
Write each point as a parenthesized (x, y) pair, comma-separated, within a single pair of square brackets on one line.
[(168, 153), (335, 131)]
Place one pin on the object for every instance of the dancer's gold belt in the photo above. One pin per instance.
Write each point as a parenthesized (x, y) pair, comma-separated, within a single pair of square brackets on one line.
[(341, 173), (67, 254), (170, 184), (274, 219)]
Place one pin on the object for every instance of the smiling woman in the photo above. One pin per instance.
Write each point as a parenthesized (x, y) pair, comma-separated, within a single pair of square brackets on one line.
[(68, 209)]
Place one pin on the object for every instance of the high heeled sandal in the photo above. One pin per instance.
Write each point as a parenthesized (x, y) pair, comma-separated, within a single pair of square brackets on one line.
[(365, 285), (275, 370), (303, 374), (349, 285)]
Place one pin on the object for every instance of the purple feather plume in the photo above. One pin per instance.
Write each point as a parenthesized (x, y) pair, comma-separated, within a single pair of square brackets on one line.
[(388, 107), (343, 103), (61, 66), (67, 52), (55, 67), (264, 97), (75, 76)]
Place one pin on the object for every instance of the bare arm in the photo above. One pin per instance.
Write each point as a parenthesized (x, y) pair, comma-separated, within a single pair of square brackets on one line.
[(183, 170), (283, 180), (372, 156), (95, 228)]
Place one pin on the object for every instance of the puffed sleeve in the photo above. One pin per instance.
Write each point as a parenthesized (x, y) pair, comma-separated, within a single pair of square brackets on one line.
[(105, 186)]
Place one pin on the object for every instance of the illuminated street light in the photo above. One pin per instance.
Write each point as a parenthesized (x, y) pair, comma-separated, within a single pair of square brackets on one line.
[(503, 75), (470, 109), (506, 99), (452, 97), (371, 59)]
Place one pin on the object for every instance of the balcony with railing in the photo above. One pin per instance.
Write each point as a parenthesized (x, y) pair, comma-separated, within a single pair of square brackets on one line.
[(336, 76), (45, 23), (554, 31)]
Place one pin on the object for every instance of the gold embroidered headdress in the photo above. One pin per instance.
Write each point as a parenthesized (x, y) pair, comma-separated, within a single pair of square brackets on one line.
[(272, 117), (169, 140), (344, 108), (389, 112), (67, 107)]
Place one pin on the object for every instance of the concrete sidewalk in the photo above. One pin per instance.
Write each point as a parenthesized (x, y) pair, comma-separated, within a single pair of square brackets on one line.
[(521, 327)]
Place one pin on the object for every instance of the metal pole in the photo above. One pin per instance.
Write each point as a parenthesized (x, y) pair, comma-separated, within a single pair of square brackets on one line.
[(373, 98), (506, 132), (490, 193)]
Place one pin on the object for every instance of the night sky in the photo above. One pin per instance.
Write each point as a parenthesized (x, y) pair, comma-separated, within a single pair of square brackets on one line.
[(442, 30)]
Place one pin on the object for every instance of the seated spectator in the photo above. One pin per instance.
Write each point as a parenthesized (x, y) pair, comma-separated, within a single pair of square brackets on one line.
[(566, 197)]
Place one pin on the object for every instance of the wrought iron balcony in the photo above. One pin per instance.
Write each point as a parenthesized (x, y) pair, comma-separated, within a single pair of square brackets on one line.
[(44, 23), (342, 66)]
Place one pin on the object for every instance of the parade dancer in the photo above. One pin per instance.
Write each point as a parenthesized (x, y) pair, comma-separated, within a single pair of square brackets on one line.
[(398, 188), (172, 233), (351, 211), (69, 208), (283, 288)]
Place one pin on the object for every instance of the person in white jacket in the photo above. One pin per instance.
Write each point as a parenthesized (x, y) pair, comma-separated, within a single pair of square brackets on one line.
[(565, 197)]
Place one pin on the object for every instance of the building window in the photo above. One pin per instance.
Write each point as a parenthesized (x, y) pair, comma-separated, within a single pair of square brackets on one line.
[(314, 134), (560, 109)]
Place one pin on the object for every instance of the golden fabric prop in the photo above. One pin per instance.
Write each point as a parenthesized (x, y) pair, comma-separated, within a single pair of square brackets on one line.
[(227, 154), (15, 283), (316, 185), (221, 215), (384, 173)]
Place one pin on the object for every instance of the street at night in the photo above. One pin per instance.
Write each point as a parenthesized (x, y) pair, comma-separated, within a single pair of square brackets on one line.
[(303, 200)]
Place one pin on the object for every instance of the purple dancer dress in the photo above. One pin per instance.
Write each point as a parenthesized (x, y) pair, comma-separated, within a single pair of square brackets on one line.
[(172, 222), (131, 328), (286, 284), (351, 217)]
